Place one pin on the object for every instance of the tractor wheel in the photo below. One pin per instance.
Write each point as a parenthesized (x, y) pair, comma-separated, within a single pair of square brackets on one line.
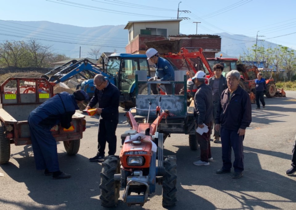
[(270, 90), (193, 144), (72, 147), (109, 187), (143, 90), (4, 146), (169, 182)]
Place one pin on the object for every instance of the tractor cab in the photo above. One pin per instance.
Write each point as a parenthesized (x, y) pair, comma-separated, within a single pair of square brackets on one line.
[(229, 64), (122, 67)]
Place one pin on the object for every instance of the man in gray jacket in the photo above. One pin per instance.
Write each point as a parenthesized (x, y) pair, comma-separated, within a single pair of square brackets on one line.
[(218, 84), (203, 112)]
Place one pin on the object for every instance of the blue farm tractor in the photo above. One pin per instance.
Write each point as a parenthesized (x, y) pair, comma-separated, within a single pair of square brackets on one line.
[(120, 71)]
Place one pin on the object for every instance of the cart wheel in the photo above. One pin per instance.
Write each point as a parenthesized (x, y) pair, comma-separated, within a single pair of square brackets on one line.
[(193, 142), (109, 187), (169, 182), (4, 146), (72, 147)]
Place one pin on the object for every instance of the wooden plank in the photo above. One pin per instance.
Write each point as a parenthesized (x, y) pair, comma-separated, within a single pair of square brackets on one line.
[(6, 117)]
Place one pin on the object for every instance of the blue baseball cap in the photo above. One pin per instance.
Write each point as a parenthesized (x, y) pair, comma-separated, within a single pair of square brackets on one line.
[(80, 95)]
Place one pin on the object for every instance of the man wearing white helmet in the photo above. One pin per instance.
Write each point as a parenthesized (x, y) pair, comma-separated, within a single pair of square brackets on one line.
[(164, 70), (203, 113)]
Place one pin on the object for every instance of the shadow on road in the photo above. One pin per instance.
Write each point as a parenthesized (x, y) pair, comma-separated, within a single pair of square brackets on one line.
[(74, 193), (273, 111), (245, 191)]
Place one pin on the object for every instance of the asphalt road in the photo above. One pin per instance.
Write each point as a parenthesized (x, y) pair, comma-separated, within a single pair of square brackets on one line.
[(267, 150)]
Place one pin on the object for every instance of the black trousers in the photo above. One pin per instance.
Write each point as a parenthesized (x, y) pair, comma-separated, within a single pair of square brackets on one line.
[(205, 145), (107, 129), (294, 156), (215, 107), (260, 96)]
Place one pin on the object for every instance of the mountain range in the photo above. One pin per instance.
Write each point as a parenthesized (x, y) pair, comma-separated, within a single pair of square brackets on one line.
[(69, 39)]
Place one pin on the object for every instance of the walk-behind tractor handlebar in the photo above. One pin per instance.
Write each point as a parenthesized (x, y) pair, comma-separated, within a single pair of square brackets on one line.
[(138, 173)]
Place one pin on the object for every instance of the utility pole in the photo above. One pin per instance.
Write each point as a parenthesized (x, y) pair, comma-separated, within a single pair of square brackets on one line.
[(185, 11), (80, 52), (196, 25), (178, 9), (257, 45)]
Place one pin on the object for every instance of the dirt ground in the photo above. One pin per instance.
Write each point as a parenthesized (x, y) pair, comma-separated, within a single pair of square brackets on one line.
[(29, 74)]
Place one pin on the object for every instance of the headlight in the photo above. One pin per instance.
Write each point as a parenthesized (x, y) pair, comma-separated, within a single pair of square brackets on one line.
[(135, 161)]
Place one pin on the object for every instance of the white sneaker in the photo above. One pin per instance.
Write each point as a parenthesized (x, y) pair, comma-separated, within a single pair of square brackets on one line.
[(211, 159), (201, 163)]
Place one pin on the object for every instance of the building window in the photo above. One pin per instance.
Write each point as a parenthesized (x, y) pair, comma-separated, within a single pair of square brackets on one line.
[(154, 31), (129, 35)]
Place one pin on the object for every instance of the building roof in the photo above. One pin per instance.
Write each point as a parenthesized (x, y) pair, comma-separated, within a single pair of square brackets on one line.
[(130, 23)]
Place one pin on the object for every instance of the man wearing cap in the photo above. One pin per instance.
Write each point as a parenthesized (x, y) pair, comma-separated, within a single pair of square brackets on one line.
[(164, 70), (107, 96), (56, 110), (218, 84), (203, 112), (260, 88), (234, 115)]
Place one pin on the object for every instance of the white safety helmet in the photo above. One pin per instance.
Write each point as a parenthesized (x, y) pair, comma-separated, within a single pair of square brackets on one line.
[(151, 52), (199, 75)]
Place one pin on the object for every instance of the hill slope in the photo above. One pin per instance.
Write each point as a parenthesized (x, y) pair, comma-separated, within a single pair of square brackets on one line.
[(67, 39)]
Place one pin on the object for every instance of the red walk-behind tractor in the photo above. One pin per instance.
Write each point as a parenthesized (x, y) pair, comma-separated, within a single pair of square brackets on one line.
[(136, 170)]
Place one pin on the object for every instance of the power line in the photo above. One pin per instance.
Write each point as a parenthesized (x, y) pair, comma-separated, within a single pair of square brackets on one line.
[(38, 34), (84, 6), (227, 9), (133, 5), (64, 42), (59, 31), (282, 35)]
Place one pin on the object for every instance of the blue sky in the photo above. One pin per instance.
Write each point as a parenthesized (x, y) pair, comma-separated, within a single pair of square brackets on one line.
[(274, 19)]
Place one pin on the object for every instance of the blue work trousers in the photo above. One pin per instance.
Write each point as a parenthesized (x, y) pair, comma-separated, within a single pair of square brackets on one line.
[(44, 147), (231, 139)]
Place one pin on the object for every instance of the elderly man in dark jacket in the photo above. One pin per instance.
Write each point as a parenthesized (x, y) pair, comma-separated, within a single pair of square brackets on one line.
[(218, 84), (204, 115), (107, 96), (234, 115)]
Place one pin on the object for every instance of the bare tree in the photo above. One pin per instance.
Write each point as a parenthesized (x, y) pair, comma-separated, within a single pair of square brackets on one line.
[(94, 53), (38, 52)]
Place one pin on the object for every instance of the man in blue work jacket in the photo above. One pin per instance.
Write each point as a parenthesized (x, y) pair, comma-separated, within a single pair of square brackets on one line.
[(260, 88), (107, 96), (164, 70), (58, 109), (234, 115)]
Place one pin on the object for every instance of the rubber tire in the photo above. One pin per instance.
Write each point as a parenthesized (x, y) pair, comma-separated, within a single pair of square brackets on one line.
[(193, 144), (109, 187), (4, 146), (72, 147), (141, 89), (169, 182), (267, 92)]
